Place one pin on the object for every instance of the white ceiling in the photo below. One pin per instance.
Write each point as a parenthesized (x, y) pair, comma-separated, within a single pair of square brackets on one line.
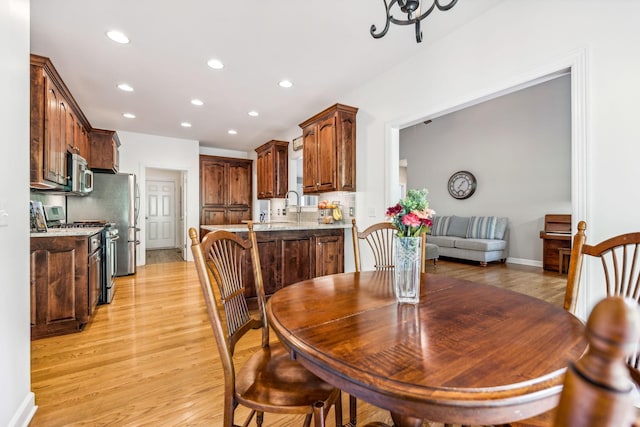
[(322, 46)]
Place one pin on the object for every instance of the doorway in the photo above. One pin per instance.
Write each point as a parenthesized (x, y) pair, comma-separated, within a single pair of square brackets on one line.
[(164, 216), (576, 65)]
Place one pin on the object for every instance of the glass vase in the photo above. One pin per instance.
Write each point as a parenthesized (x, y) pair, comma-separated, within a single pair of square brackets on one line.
[(406, 260)]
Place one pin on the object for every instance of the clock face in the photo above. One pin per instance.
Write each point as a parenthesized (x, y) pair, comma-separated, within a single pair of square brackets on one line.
[(462, 185)]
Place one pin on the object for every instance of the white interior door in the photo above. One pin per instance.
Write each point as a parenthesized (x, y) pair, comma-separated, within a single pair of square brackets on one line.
[(161, 217)]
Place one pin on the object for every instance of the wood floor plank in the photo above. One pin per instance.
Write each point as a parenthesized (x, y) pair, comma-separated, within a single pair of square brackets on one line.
[(149, 357)]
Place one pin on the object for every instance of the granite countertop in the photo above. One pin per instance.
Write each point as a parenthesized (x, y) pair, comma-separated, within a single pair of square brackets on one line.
[(68, 232), (276, 226)]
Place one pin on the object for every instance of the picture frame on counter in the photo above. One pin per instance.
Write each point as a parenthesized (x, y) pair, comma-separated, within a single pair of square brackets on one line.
[(38, 221)]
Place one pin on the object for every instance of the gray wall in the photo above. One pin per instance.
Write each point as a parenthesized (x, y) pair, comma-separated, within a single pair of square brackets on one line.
[(518, 147)]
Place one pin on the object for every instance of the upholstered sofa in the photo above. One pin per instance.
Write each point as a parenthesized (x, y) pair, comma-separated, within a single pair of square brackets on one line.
[(476, 238)]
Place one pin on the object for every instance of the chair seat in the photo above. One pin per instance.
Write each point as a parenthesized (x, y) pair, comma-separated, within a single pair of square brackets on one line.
[(271, 382)]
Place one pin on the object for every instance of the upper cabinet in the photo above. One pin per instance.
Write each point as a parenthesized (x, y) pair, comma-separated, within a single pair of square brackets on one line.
[(329, 144), (225, 190), (57, 126), (272, 168), (104, 150)]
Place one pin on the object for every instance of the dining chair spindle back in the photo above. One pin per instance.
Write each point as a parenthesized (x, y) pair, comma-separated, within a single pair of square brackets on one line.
[(269, 381), (620, 260), (379, 238)]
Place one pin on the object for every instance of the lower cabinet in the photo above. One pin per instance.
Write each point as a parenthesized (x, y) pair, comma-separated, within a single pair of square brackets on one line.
[(287, 257), (65, 284)]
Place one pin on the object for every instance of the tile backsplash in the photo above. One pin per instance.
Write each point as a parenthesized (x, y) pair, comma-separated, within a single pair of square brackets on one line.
[(275, 209)]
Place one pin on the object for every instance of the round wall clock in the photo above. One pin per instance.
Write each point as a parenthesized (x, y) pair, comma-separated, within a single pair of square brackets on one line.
[(462, 185)]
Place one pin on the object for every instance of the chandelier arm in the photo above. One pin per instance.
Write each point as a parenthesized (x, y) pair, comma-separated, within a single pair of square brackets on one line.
[(447, 7), (409, 21), (413, 20), (386, 26)]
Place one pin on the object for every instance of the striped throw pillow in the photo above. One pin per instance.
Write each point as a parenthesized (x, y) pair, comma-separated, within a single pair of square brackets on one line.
[(440, 225), (482, 227)]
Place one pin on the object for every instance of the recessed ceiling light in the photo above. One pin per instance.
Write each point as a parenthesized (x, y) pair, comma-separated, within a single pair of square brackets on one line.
[(253, 113), (117, 37), (125, 87), (232, 132), (129, 115), (285, 84), (215, 64), (197, 102), (185, 124)]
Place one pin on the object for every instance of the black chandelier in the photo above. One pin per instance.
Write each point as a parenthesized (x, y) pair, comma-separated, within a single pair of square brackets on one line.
[(414, 15)]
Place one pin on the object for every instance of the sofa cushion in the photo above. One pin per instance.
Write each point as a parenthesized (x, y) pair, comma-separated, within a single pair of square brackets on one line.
[(442, 241), (440, 225), (458, 226), (481, 244), (501, 228), (482, 227)]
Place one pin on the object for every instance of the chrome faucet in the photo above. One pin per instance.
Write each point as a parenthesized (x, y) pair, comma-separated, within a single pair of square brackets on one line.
[(298, 207)]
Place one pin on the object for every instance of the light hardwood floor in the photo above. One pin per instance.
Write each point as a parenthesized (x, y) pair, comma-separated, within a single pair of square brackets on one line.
[(149, 357)]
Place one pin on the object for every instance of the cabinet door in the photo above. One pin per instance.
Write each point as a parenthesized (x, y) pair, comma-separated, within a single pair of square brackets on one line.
[(213, 216), (329, 255), (69, 134), (268, 254), (59, 269), (239, 184), (310, 160), (295, 260), (213, 185), (265, 174), (346, 147), (104, 150), (280, 171), (81, 141), (327, 154), (236, 216), (53, 146)]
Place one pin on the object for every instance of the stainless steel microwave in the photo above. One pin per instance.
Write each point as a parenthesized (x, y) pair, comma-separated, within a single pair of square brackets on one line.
[(81, 175)]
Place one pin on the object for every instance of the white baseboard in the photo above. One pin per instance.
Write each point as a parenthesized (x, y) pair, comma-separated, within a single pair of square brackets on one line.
[(523, 261), (25, 412)]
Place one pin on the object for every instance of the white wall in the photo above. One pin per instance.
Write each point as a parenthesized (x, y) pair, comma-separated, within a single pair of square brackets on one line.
[(510, 44), (16, 399), (518, 147), (140, 151)]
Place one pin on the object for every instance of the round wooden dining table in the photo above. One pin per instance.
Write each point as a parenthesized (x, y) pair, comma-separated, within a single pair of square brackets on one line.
[(467, 353)]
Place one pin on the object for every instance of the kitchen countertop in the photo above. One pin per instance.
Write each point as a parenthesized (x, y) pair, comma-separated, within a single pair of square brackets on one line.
[(68, 232), (276, 226)]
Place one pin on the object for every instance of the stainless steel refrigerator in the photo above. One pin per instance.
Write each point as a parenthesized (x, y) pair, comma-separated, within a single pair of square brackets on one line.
[(116, 199)]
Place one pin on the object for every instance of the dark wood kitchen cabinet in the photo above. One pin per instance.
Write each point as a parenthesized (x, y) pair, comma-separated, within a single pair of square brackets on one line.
[(273, 169), (105, 154), (329, 141), (225, 190), (287, 257), (57, 126), (65, 284)]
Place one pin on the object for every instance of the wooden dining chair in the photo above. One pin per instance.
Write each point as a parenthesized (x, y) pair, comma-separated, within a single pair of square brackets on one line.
[(598, 388), (379, 237), (620, 260), (270, 380)]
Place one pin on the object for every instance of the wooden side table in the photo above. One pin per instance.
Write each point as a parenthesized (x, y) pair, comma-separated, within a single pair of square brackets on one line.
[(563, 252)]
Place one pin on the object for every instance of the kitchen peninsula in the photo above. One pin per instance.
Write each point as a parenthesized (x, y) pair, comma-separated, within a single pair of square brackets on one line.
[(291, 252)]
